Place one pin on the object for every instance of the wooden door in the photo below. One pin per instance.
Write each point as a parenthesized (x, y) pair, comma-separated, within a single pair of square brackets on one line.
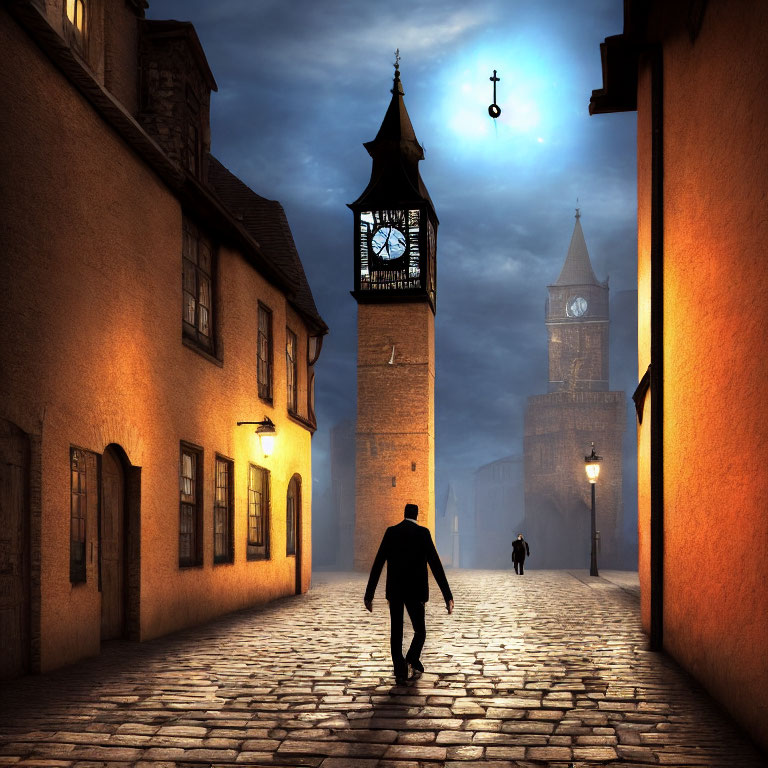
[(14, 551), (112, 535)]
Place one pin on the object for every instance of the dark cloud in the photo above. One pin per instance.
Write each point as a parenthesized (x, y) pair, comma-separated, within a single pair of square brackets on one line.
[(304, 83)]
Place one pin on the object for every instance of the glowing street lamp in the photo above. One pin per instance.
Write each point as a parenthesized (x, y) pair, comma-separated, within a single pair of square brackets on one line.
[(592, 467), (266, 431)]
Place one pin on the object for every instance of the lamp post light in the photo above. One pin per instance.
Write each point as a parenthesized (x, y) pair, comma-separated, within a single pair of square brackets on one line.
[(266, 431), (592, 466)]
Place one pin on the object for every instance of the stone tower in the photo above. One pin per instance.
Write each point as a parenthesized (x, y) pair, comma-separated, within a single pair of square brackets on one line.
[(560, 426), (395, 280)]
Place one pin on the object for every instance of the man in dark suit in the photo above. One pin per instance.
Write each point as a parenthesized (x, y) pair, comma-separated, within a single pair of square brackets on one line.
[(407, 548)]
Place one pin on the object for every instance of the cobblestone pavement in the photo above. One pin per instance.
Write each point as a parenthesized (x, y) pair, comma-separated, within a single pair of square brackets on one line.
[(540, 670)]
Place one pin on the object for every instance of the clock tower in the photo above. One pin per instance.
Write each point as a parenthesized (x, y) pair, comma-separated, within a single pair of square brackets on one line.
[(560, 426), (577, 322), (395, 239)]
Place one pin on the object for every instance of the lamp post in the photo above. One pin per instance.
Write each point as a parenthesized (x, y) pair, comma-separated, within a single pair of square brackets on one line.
[(592, 466), (266, 431)]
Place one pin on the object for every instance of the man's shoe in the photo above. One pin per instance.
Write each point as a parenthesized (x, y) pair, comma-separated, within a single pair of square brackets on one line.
[(400, 680), (417, 668), (415, 673)]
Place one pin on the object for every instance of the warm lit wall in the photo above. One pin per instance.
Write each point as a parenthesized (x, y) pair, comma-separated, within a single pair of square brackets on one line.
[(395, 420), (644, 337), (92, 354), (715, 363)]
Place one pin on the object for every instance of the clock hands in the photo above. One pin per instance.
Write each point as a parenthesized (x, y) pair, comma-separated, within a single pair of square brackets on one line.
[(395, 241), (385, 244)]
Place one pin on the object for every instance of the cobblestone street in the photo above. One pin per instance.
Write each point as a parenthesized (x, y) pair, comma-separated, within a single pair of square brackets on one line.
[(541, 670)]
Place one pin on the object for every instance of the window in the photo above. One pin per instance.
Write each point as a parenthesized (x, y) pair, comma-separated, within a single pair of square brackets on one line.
[(264, 353), (291, 369), (197, 271), (258, 512), (223, 506), (74, 21), (190, 506), (84, 501), (292, 506)]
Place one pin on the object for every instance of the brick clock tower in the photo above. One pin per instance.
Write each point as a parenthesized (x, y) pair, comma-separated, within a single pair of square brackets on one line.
[(395, 282), (560, 426)]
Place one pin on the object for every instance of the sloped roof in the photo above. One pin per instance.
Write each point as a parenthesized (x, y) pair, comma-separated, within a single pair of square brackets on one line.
[(266, 222), (577, 269)]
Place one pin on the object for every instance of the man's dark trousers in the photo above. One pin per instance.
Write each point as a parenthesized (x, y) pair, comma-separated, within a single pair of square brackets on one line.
[(415, 610)]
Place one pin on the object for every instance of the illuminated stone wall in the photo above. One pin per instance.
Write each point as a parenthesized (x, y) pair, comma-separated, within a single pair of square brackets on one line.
[(91, 355)]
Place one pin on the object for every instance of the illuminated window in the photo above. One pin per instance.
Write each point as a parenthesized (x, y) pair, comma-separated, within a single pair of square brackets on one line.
[(264, 353), (291, 369), (292, 504), (190, 506), (223, 505), (75, 20), (258, 513), (197, 272)]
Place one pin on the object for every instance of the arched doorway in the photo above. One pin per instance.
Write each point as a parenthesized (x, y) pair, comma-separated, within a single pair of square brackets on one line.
[(112, 536), (14, 551), (293, 526)]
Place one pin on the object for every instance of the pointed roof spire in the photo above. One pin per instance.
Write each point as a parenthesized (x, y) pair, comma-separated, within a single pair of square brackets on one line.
[(577, 269), (396, 130), (396, 152)]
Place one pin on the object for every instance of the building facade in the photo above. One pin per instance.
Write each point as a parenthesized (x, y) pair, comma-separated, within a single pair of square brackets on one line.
[(151, 302), (696, 73), (395, 282), (499, 511), (577, 410)]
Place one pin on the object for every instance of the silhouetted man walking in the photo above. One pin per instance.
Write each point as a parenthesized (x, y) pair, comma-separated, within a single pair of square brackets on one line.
[(519, 550), (406, 549)]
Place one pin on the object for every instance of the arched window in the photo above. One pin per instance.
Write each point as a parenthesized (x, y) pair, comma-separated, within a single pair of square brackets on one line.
[(292, 508)]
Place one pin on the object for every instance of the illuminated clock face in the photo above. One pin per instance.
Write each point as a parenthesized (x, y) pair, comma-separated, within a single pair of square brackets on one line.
[(388, 243), (576, 307)]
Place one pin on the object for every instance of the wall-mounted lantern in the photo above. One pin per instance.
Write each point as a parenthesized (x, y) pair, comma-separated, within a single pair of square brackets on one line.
[(266, 431)]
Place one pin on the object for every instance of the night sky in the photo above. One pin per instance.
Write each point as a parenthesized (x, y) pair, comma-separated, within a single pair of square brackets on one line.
[(303, 83)]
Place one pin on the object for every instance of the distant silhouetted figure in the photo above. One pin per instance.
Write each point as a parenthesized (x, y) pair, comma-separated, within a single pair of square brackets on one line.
[(519, 550), (407, 548)]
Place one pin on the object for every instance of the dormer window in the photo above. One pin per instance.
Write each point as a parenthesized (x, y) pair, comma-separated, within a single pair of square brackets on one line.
[(75, 21)]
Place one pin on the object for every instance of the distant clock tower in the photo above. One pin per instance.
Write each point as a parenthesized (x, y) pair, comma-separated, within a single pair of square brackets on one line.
[(560, 426), (395, 289)]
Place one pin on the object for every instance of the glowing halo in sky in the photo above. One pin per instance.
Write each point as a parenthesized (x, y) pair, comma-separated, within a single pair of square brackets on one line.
[(534, 95)]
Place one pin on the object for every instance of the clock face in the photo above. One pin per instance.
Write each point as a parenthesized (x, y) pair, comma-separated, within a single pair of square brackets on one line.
[(576, 306), (389, 243)]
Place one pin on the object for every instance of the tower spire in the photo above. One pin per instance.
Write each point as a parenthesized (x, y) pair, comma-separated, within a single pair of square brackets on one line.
[(396, 154), (577, 269)]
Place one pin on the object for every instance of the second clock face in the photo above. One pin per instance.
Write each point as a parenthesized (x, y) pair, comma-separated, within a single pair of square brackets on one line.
[(389, 243), (576, 306)]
